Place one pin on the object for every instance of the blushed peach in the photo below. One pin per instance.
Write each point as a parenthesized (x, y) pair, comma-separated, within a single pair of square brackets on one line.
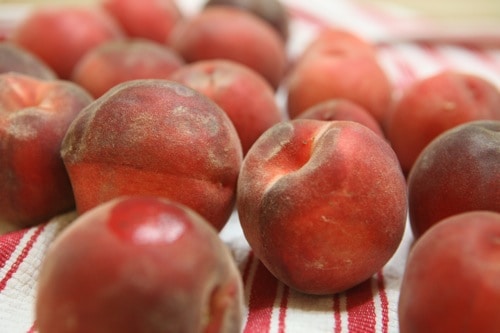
[(346, 68), (434, 104), (273, 12), (154, 137), (232, 34), (34, 117), (61, 35), (452, 278), (14, 58), (322, 204), (149, 19), (139, 264), (242, 93), (458, 171), (119, 61)]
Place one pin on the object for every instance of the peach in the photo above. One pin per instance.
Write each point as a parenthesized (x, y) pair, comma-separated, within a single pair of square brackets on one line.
[(434, 104), (34, 117), (457, 172), (339, 68), (154, 137), (149, 19), (342, 109), (271, 11), (118, 61), (61, 35), (452, 277), (339, 42), (242, 93), (14, 58), (322, 204), (229, 33), (139, 264)]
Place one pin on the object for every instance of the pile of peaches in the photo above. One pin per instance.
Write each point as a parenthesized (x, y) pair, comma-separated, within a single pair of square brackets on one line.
[(154, 126)]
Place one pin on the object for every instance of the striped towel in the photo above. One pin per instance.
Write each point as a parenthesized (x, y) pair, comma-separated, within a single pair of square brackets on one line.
[(270, 306)]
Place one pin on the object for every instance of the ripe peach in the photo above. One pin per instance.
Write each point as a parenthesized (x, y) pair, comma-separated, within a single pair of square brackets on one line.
[(271, 11), (342, 109), (242, 93), (457, 172), (322, 204), (60, 35), (340, 43), (154, 137), (14, 58), (339, 69), (149, 19), (435, 104), (452, 277), (34, 117), (139, 264), (118, 61), (232, 34)]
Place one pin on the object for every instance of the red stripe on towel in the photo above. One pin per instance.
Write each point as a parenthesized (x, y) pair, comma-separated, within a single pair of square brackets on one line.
[(406, 74), (299, 14), (246, 269), (433, 52), (484, 57), (360, 308), (32, 329), (384, 302), (336, 313), (9, 243), (22, 256), (283, 307), (261, 300)]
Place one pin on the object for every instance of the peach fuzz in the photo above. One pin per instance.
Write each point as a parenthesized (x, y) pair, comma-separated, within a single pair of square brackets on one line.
[(435, 104), (452, 278), (242, 93), (119, 61), (229, 33), (139, 264), (34, 117), (154, 137), (61, 35), (149, 19), (14, 58), (346, 68), (342, 109), (458, 171), (318, 213)]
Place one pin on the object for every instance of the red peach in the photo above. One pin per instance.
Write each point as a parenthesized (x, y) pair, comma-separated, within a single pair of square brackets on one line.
[(34, 117), (150, 19), (322, 204), (229, 33), (434, 104), (61, 35), (452, 278), (458, 171), (346, 69), (14, 58), (242, 93), (342, 109), (339, 43), (139, 264), (273, 12), (154, 137), (118, 61)]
